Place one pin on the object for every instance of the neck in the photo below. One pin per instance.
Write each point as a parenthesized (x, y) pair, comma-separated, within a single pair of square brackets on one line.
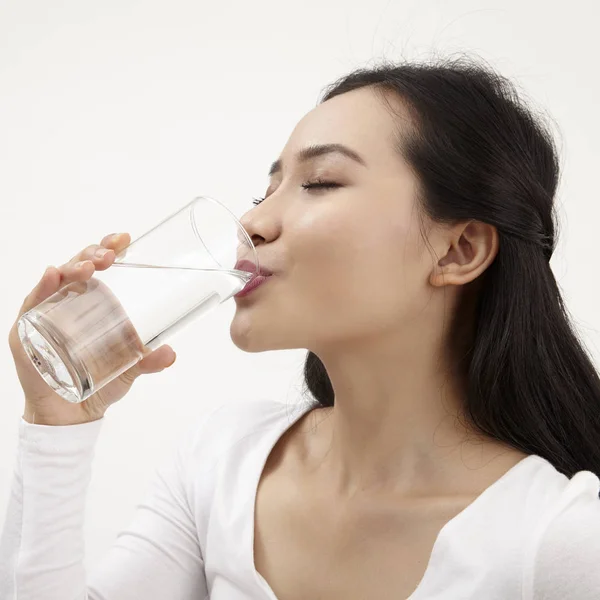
[(398, 424)]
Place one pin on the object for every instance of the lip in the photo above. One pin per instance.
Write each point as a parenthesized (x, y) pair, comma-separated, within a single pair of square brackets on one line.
[(252, 285), (250, 267), (258, 279)]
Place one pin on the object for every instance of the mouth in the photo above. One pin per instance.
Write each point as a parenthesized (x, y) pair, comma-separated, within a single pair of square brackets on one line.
[(252, 285), (250, 267), (258, 279)]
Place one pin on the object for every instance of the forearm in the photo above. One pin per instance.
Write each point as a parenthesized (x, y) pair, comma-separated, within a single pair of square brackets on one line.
[(42, 541)]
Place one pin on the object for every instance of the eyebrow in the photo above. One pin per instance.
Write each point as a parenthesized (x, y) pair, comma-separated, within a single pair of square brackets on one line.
[(320, 150)]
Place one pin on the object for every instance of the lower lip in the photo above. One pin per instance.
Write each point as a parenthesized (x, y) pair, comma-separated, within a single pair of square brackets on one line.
[(250, 287)]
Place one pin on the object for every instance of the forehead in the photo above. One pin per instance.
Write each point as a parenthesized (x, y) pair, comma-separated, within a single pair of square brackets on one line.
[(359, 119)]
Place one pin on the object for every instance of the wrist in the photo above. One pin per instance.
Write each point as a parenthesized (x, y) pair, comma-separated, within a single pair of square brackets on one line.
[(37, 416)]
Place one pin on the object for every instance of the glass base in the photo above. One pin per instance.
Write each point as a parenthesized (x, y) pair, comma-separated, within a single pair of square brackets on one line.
[(53, 366)]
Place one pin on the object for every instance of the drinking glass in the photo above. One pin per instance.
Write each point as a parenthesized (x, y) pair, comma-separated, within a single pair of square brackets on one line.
[(88, 333)]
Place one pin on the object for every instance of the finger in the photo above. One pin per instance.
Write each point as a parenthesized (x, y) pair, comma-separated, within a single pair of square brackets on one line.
[(103, 254), (46, 286), (116, 241), (101, 257), (94, 252), (158, 360), (154, 362), (80, 271), (109, 248), (80, 268)]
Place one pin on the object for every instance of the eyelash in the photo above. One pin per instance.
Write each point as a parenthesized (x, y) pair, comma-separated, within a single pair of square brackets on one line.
[(307, 186)]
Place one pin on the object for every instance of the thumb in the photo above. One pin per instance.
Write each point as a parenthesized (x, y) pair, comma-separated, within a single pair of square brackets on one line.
[(156, 361)]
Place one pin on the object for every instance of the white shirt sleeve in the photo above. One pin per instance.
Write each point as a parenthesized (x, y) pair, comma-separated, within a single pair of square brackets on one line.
[(567, 563), (42, 541)]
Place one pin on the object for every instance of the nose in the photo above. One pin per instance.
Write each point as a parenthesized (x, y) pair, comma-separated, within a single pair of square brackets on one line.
[(260, 226)]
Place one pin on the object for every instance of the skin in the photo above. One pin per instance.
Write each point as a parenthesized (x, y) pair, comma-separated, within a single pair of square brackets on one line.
[(351, 498), (374, 478), (42, 406), (354, 283)]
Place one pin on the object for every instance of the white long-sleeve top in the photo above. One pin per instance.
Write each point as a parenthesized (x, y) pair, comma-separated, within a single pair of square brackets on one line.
[(534, 534)]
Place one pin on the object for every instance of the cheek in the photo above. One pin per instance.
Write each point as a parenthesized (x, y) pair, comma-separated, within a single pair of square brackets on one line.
[(324, 245), (350, 265)]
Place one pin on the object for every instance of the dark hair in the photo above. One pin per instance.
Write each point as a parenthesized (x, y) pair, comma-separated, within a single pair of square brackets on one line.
[(480, 153)]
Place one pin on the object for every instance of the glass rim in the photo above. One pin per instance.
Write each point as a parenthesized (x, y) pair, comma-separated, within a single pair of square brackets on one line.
[(237, 222), (188, 206)]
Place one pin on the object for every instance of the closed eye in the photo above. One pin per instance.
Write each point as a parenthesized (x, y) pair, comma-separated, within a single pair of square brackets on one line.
[(309, 185), (319, 185)]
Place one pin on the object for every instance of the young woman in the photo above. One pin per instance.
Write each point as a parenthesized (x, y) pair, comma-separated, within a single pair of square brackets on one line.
[(451, 449)]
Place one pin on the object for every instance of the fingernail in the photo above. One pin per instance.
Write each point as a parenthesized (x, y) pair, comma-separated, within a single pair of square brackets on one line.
[(81, 264), (101, 252)]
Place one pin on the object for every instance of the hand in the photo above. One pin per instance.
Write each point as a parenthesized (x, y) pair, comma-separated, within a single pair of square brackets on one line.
[(42, 405)]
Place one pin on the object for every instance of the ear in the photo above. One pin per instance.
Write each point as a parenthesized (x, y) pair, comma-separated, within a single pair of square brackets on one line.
[(468, 250)]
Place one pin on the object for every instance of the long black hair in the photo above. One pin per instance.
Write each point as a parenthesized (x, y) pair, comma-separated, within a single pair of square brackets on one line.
[(479, 152)]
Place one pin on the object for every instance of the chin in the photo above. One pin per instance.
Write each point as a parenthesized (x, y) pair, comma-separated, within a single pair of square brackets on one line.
[(247, 337)]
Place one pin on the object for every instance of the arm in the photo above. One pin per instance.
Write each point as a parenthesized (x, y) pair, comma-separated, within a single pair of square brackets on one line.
[(42, 543)]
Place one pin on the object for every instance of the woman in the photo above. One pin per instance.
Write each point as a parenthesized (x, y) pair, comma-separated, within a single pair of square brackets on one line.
[(408, 228)]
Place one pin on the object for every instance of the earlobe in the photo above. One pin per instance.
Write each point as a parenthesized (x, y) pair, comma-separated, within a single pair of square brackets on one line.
[(450, 274)]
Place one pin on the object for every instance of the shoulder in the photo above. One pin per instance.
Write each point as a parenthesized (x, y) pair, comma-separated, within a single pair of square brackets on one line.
[(236, 423), (567, 554)]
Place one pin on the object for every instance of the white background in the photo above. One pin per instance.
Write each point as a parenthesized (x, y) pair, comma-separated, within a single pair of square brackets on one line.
[(115, 113)]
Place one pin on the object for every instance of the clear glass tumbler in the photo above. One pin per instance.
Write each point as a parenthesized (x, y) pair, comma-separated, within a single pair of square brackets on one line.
[(88, 333)]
